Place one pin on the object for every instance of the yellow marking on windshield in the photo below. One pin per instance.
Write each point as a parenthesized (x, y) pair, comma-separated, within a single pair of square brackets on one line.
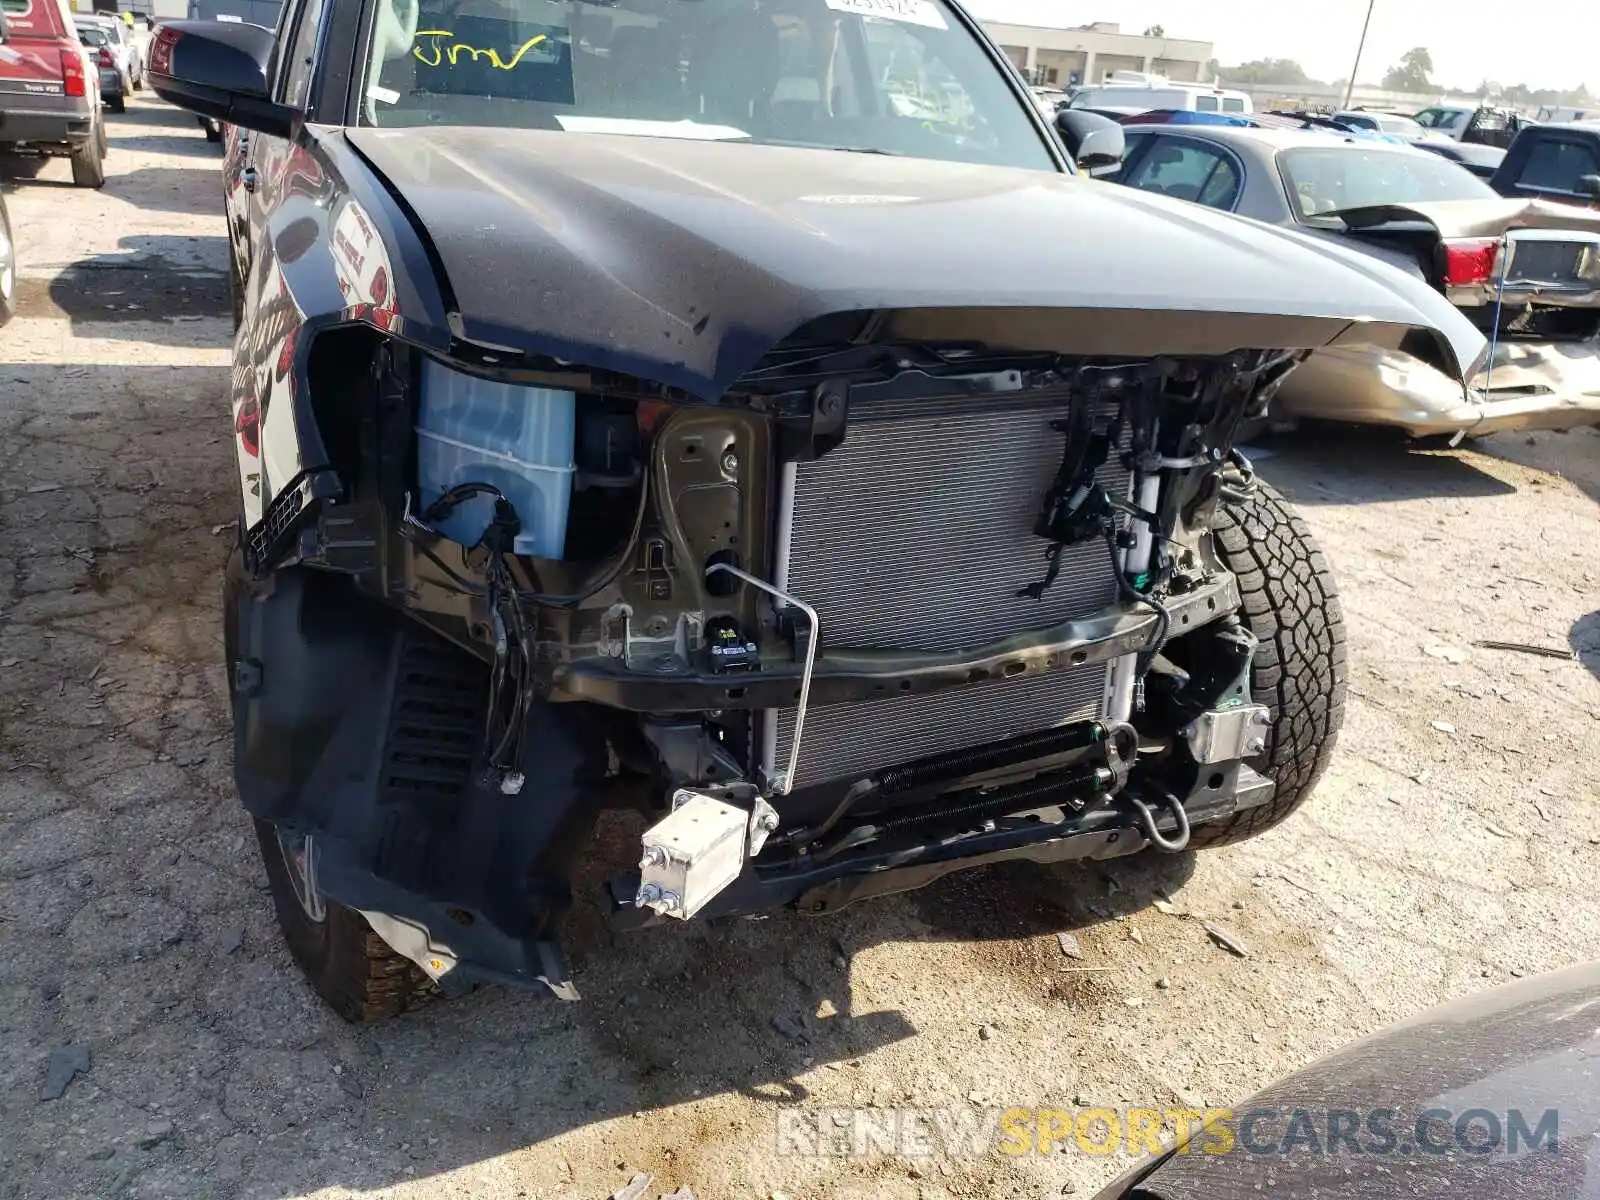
[(454, 52)]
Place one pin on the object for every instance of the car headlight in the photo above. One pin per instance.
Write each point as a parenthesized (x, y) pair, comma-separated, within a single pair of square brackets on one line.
[(1589, 264)]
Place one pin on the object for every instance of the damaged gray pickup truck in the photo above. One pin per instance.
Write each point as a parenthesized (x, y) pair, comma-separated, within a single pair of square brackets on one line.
[(740, 413)]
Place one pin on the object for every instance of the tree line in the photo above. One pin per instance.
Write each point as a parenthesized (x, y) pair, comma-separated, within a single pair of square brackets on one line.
[(1413, 73)]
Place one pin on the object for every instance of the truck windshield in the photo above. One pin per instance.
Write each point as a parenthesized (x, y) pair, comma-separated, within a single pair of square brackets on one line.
[(900, 77)]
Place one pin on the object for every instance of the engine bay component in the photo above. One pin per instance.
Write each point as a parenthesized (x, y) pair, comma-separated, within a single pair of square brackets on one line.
[(947, 538), (970, 662), (812, 635), (517, 439), (730, 651)]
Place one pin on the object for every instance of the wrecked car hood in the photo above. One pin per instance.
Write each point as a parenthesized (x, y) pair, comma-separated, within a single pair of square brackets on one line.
[(685, 262), (1487, 218)]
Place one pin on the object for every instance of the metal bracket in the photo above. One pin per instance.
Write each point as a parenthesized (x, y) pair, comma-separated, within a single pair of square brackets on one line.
[(1228, 734), (700, 847), (780, 785), (763, 824)]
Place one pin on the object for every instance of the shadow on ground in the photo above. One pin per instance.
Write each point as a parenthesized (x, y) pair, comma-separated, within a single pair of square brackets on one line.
[(162, 129), (1342, 464), (669, 1015), (151, 279), (1585, 642), (18, 170), (192, 189), (1575, 456), (1047, 898), (208, 154), (159, 189)]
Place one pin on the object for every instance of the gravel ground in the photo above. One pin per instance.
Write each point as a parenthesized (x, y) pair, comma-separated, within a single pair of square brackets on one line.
[(1453, 844)]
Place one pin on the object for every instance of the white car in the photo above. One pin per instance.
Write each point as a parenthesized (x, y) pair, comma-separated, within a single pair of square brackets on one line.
[(1445, 119), (124, 47), (1394, 124), (1488, 123)]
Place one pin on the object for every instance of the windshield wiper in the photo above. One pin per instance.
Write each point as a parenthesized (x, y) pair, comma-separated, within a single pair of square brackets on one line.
[(827, 146)]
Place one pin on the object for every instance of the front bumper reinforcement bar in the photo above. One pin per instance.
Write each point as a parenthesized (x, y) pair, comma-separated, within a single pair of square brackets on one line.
[(843, 675)]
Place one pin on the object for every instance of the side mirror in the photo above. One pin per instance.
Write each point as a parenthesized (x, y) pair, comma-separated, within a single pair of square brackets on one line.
[(1094, 142), (222, 70), (1589, 185)]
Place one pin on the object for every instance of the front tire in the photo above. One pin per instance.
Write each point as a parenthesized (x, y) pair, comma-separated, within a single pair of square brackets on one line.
[(354, 970), (346, 963), (1291, 605)]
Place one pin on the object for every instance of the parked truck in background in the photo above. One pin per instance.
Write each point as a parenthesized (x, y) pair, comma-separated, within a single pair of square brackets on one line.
[(50, 89)]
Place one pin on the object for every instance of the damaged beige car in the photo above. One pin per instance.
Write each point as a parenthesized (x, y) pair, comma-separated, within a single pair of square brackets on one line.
[(1527, 273)]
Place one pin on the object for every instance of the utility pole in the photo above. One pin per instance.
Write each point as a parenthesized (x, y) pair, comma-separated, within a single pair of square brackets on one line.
[(1350, 87)]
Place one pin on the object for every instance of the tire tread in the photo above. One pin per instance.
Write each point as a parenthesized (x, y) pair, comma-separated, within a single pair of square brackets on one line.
[(88, 163), (1290, 603), (345, 961)]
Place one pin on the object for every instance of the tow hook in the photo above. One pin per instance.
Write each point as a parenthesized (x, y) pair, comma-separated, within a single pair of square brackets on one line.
[(1146, 818)]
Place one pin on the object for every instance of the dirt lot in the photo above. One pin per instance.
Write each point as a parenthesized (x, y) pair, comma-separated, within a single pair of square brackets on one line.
[(1453, 846)]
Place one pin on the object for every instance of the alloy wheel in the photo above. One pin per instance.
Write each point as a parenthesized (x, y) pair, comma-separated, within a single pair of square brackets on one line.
[(300, 860)]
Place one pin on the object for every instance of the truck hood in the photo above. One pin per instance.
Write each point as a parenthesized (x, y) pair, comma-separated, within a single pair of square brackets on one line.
[(686, 261)]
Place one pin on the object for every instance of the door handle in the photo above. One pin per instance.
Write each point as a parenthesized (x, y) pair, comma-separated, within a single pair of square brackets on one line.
[(251, 179)]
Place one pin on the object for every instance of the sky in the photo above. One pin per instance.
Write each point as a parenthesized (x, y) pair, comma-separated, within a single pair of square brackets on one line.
[(1555, 46)]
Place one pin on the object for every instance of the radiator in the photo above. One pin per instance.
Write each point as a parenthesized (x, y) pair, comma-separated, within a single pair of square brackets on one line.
[(917, 534)]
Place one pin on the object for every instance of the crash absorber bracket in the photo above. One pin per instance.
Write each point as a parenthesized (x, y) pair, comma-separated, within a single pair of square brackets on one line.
[(699, 848), (1225, 734)]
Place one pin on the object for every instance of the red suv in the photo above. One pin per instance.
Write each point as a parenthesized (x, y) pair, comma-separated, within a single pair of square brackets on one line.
[(50, 88)]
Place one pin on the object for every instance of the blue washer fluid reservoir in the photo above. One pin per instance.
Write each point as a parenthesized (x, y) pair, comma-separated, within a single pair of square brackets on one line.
[(518, 439)]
